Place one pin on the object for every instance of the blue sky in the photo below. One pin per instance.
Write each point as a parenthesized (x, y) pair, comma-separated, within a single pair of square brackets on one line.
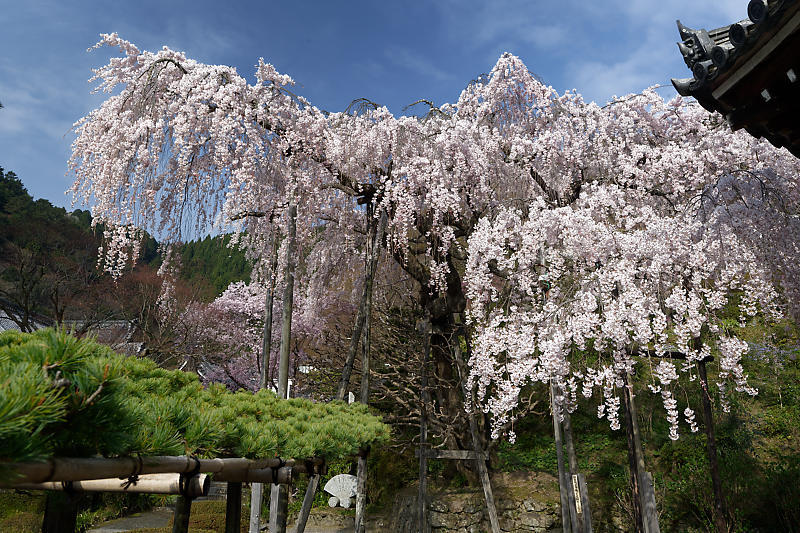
[(391, 52)]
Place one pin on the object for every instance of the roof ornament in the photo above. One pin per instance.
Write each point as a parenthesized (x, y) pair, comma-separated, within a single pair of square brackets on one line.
[(757, 10)]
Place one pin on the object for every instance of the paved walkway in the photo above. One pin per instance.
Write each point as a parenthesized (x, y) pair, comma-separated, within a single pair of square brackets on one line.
[(155, 518)]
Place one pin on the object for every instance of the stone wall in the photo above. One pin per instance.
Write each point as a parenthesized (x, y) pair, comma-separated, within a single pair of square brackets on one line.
[(525, 502)]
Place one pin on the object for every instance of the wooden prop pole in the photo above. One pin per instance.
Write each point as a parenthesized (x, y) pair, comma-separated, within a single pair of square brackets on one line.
[(180, 521), (480, 457), (278, 509), (233, 508), (308, 500), (60, 513), (423, 427), (720, 508), (647, 504), (257, 489), (578, 501), (566, 522)]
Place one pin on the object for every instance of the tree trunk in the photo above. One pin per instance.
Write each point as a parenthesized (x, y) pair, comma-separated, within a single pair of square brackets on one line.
[(720, 509), (257, 489), (361, 315)]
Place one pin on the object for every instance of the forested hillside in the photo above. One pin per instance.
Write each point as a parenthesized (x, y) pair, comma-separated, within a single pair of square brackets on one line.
[(213, 262), (48, 258)]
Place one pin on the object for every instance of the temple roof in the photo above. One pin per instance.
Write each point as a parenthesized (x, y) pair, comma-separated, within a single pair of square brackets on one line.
[(748, 71)]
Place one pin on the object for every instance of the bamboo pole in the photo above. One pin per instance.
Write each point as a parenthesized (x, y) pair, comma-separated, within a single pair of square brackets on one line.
[(82, 468), (145, 484)]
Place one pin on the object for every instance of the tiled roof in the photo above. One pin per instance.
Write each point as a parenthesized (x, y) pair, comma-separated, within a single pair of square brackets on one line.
[(749, 70)]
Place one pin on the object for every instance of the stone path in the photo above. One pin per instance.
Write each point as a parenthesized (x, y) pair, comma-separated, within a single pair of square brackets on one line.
[(155, 518)]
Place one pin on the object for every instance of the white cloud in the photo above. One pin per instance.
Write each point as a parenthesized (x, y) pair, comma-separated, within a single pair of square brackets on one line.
[(404, 58)]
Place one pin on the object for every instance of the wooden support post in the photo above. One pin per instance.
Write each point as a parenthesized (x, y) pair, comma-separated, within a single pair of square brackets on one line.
[(279, 497), (308, 500), (574, 515), (583, 490), (646, 500), (257, 489), (180, 521), (566, 521), (649, 511), (288, 302), (233, 508), (60, 512), (581, 501), (361, 493), (720, 510), (633, 465), (361, 315), (374, 247), (256, 501), (422, 501), (480, 458), (278, 502)]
